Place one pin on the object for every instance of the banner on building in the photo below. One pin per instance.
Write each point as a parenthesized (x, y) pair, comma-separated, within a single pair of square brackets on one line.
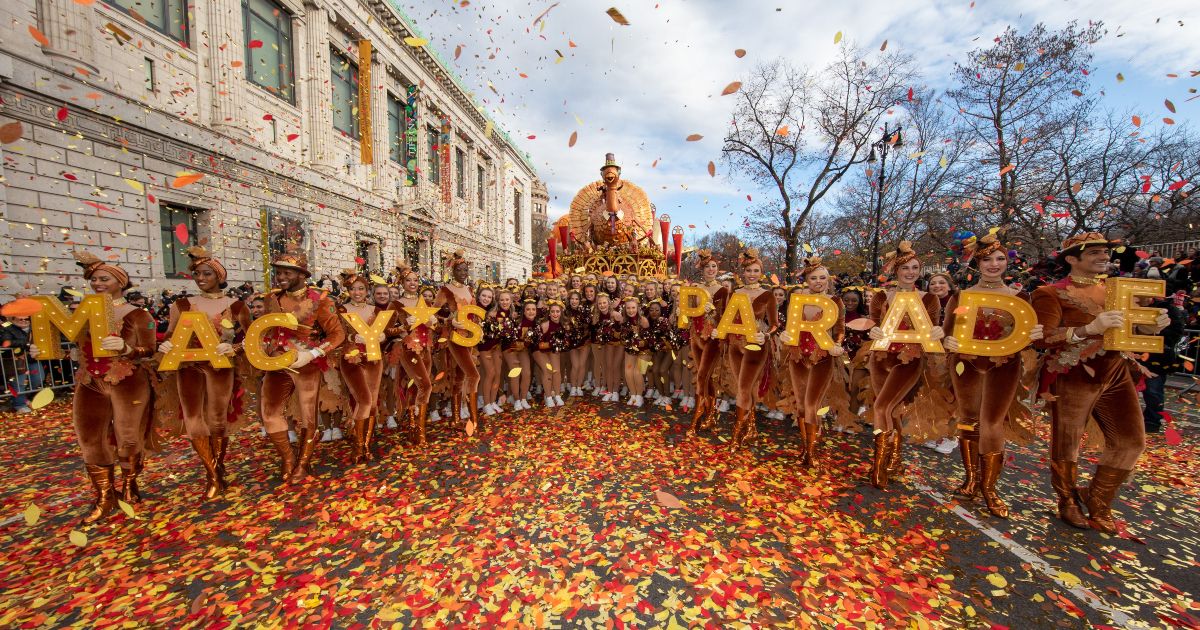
[(410, 137), (365, 130), (444, 149)]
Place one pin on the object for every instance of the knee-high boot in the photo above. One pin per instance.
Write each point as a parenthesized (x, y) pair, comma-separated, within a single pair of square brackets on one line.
[(699, 414), (1063, 476), (1098, 497), (106, 497), (203, 448), (455, 406), (287, 457), (810, 433), (368, 454), (895, 460), (881, 458), (969, 447), (419, 420), (128, 491), (741, 426), (360, 438), (473, 412), (308, 444), (992, 464), (220, 444)]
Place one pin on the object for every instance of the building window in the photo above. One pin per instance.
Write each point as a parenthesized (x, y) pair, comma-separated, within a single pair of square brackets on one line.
[(479, 187), (174, 252), (368, 254), (460, 173), (268, 28), (148, 66), (435, 166), (517, 216), (168, 17), (397, 148), (345, 93)]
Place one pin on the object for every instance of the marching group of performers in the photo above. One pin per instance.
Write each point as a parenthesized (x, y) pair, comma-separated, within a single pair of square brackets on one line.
[(616, 338)]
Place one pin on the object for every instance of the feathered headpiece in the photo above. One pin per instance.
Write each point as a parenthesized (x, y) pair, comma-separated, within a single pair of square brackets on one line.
[(904, 253), (91, 264), (749, 256), (350, 276), (200, 256), (703, 256), (456, 259), (811, 264), (403, 270), (968, 246)]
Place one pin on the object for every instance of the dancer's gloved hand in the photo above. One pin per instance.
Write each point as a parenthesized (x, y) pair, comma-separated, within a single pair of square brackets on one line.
[(455, 324), (113, 343), (411, 321), (950, 344), (1162, 321), (876, 333), (785, 338), (708, 307), (837, 351), (937, 332), (432, 321), (223, 348), (1104, 321), (166, 347), (1037, 332), (303, 358), (34, 351), (760, 338), (360, 339)]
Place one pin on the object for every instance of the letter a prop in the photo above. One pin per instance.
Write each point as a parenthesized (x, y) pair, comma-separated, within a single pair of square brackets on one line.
[(907, 303)]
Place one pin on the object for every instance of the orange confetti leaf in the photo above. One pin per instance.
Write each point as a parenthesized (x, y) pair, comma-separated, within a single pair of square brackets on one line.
[(39, 36), (731, 88), (10, 133), (692, 138), (616, 16), (186, 179), (739, 53), (574, 137), (667, 500), (712, 169), (1170, 105)]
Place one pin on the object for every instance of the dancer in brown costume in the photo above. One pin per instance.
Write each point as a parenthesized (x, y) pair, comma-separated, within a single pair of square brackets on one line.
[(704, 346), (986, 386), (810, 367), (319, 334), (1080, 379), (362, 376), (416, 354), (206, 392), (895, 372), (112, 394), (451, 297), (746, 363)]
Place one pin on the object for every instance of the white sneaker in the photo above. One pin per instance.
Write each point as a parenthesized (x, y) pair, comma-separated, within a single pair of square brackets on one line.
[(464, 413), (724, 406), (327, 435), (292, 436), (550, 402), (946, 446), (488, 410), (638, 401), (931, 444), (559, 401), (434, 416), (391, 422)]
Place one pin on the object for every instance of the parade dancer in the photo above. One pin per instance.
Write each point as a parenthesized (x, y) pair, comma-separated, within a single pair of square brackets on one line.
[(111, 410), (1080, 379), (705, 347), (987, 387), (746, 363), (362, 376), (550, 345), (633, 326), (451, 297), (811, 368), (318, 335), (206, 393), (416, 353), (606, 342), (489, 350), (896, 371), (516, 354)]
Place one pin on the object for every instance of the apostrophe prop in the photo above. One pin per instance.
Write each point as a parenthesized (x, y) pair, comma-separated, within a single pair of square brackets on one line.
[(691, 304), (471, 332), (373, 334), (818, 328), (907, 303), (1121, 296), (738, 318), (193, 324), (253, 343), (964, 324), (95, 311)]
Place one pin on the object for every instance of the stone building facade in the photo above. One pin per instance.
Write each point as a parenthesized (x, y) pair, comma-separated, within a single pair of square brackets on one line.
[(134, 126)]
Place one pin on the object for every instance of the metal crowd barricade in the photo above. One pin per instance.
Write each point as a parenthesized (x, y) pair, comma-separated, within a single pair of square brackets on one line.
[(1189, 353), (19, 379)]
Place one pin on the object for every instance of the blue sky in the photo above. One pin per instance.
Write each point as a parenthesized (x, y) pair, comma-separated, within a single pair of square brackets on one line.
[(638, 91)]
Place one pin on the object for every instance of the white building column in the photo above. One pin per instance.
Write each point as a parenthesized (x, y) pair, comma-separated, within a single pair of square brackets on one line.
[(69, 26), (318, 91), (226, 45), (382, 181)]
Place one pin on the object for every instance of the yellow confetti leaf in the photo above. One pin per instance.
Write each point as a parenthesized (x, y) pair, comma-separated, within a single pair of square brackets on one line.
[(752, 347), (959, 368), (942, 162), (416, 42), (136, 185), (126, 508), (32, 514), (1070, 579), (515, 372), (73, 292), (42, 398), (997, 580), (253, 567), (225, 323), (376, 279), (823, 410), (77, 538), (549, 368), (837, 38)]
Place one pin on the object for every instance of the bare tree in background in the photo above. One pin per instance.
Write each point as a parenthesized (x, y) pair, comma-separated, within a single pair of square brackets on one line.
[(797, 134)]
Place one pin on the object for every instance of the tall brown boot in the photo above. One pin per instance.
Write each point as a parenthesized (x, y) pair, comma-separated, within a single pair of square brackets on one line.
[(106, 497), (455, 407), (881, 458), (992, 464), (710, 417), (698, 415), (895, 461), (1099, 496), (308, 444), (128, 490), (220, 444), (473, 411), (968, 445), (360, 437), (368, 454), (741, 426), (419, 421), (1063, 476), (811, 433), (287, 457), (203, 449)]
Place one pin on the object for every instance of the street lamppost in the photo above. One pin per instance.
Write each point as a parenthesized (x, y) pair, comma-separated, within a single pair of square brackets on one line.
[(884, 144)]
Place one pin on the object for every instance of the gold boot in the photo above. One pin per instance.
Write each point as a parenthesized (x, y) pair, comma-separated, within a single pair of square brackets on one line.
[(969, 446), (368, 454), (879, 462), (287, 457), (106, 498), (1063, 475), (811, 432), (128, 490), (740, 425), (360, 436), (698, 415), (419, 422), (473, 413), (710, 418), (992, 464), (1099, 496), (308, 444), (203, 449), (895, 461), (220, 444)]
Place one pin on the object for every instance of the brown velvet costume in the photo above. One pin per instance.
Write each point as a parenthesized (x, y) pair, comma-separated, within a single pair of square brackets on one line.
[(810, 370), (897, 370), (205, 392), (465, 381), (1082, 380), (363, 379), (746, 365), (416, 360), (706, 350)]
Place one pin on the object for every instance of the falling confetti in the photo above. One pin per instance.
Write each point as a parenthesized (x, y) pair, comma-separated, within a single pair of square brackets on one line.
[(617, 17)]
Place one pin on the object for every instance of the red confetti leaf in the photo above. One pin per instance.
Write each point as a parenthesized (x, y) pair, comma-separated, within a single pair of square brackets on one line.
[(1170, 105), (1177, 185), (292, 136), (61, 115), (181, 233), (255, 43)]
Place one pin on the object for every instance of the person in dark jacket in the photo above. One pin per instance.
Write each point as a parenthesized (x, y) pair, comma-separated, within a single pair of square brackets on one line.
[(1162, 364), (21, 375)]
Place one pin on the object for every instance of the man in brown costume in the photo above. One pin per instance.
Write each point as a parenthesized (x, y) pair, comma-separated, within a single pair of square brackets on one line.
[(1080, 379)]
